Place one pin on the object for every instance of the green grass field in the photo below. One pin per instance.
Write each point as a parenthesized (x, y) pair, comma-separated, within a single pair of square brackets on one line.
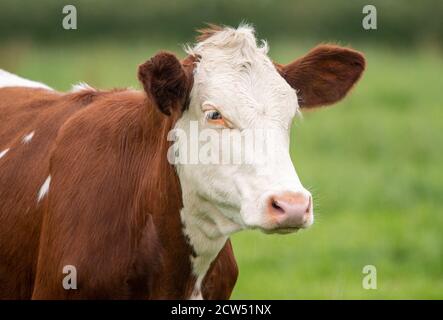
[(373, 163)]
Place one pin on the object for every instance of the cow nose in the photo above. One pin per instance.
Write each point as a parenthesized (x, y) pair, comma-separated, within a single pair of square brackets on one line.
[(290, 209)]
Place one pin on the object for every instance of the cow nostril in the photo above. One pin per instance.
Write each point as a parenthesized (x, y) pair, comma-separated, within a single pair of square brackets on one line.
[(275, 205)]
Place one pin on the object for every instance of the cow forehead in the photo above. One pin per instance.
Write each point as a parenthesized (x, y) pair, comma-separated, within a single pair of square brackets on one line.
[(235, 74)]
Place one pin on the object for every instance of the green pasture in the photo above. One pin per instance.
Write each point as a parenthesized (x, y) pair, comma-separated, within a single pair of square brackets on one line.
[(374, 164)]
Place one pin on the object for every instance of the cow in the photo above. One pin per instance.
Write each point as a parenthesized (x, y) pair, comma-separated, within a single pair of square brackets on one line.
[(86, 180)]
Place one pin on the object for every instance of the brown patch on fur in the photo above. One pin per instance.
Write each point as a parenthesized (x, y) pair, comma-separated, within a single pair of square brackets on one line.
[(325, 75), (222, 275), (208, 31), (113, 206)]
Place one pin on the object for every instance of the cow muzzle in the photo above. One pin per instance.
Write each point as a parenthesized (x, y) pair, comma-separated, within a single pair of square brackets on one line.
[(289, 211)]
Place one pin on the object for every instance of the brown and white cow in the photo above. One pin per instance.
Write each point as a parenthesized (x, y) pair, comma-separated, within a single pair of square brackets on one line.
[(85, 179)]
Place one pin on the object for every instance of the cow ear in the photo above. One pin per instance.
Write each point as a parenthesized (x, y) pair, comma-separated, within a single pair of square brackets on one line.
[(167, 81), (324, 75)]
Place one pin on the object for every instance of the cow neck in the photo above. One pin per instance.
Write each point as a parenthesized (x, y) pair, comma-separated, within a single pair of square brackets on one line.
[(205, 238), (164, 201), (204, 225), (207, 229)]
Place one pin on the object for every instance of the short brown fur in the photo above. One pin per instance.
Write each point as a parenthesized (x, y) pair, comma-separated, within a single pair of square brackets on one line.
[(208, 31), (114, 201)]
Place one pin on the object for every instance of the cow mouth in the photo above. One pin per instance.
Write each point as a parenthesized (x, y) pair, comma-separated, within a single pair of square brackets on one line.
[(285, 230)]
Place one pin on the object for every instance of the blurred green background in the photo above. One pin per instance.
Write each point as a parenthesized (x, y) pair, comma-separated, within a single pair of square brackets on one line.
[(373, 162)]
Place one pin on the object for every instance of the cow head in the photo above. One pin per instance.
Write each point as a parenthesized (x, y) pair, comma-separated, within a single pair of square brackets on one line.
[(228, 88)]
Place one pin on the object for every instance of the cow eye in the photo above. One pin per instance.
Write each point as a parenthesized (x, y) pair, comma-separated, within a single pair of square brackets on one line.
[(214, 115)]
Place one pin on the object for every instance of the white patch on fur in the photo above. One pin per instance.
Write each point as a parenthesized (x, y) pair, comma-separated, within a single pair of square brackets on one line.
[(3, 153), (81, 86), (196, 295), (28, 137), (235, 75), (44, 189), (8, 79)]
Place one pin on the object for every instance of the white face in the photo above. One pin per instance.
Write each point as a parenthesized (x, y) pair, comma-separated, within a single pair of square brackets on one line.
[(237, 91)]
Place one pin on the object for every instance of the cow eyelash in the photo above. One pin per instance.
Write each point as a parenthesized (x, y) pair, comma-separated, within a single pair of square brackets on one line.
[(213, 115), (215, 118)]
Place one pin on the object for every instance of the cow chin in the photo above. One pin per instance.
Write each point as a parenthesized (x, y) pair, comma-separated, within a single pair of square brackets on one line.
[(277, 229), (280, 230)]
